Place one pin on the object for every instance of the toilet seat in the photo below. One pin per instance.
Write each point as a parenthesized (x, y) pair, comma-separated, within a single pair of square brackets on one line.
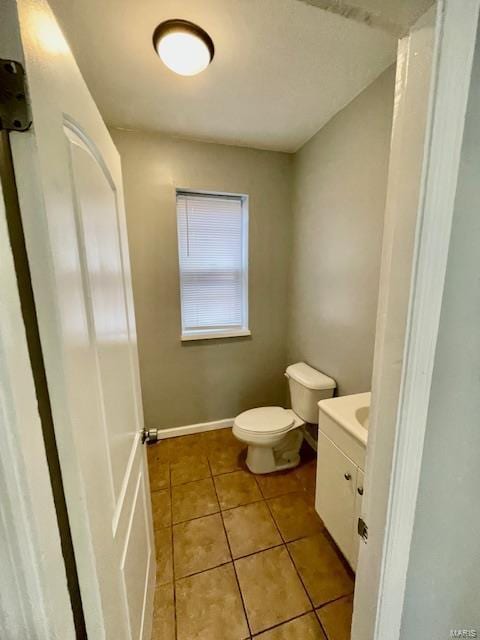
[(265, 420)]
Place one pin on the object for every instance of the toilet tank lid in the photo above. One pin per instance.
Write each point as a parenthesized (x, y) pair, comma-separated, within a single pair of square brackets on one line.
[(310, 377)]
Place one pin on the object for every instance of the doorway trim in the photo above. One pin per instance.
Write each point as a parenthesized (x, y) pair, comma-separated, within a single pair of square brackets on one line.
[(456, 31)]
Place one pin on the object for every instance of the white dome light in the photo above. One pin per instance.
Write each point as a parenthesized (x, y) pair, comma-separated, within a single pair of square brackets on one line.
[(183, 47)]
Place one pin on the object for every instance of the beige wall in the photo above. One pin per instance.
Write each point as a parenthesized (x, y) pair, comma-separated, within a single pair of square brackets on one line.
[(338, 208), (212, 379), (313, 263)]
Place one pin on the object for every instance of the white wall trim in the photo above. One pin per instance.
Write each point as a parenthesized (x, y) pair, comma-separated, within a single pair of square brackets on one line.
[(173, 432), (457, 35), (214, 335)]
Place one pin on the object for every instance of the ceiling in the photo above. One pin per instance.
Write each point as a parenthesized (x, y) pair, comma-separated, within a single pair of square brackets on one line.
[(282, 68), (396, 16)]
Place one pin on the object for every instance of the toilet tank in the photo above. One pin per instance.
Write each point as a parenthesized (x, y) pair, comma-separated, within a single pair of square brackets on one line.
[(307, 387)]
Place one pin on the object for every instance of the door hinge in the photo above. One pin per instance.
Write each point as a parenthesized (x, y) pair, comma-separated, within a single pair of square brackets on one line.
[(149, 436), (14, 109), (362, 529)]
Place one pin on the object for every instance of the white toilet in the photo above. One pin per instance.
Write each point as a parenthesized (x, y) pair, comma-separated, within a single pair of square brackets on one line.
[(274, 434)]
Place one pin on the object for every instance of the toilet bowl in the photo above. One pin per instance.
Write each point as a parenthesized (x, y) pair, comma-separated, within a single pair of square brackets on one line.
[(273, 434)]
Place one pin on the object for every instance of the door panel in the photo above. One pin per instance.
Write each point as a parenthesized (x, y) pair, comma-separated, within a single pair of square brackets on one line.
[(335, 493), (135, 562), (71, 197), (101, 259), (134, 539)]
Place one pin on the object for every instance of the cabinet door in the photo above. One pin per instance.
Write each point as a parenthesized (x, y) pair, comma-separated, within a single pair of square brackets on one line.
[(357, 514), (335, 493)]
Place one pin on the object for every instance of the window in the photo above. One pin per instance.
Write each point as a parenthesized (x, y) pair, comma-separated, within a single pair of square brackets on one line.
[(213, 256)]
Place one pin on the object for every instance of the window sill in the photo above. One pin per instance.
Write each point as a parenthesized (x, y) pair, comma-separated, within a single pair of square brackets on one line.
[(213, 335)]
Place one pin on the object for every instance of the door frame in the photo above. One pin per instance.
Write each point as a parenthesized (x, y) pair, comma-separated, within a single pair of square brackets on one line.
[(384, 570)]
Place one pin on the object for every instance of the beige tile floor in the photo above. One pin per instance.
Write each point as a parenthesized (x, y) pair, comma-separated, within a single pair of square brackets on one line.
[(241, 556)]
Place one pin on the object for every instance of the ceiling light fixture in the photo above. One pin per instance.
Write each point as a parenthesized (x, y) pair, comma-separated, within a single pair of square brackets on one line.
[(183, 47)]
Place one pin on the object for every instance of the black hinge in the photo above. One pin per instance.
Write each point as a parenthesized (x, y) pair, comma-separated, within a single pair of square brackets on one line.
[(362, 529), (14, 111)]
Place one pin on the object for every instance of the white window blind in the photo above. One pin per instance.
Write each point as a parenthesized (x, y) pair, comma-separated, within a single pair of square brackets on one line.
[(212, 244)]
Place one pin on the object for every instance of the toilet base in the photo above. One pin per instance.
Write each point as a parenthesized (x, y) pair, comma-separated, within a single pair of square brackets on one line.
[(284, 455)]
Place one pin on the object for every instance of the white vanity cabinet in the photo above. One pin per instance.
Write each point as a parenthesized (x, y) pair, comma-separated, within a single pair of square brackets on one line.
[(342, 439), (338, 489)]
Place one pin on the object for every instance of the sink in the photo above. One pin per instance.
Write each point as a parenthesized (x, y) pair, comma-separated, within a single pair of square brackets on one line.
[(345, 420), (351, 413), (362, 414)]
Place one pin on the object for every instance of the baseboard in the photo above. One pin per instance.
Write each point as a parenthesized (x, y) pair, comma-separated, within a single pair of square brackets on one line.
[(173, 432)]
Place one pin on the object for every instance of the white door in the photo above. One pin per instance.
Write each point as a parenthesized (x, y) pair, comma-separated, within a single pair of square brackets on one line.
[(34, 601), (70, 188)]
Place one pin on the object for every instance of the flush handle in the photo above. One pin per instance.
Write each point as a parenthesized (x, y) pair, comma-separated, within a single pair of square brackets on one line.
[(360, 491), (347, 476)]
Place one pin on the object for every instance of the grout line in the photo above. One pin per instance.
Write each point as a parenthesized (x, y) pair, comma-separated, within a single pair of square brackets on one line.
[(314, 609), (159, 490), (225, 473), (173, 553), (321, 625), (233, 564), (279, 624), (281, 495), (184, 484), (254, 553), (197, 573), (244, 504), (296, 570), (205, 515), (300, 578), (181, 484), (284, 543), (246, 555), (325, 604), (258, 486), (291, 559)]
